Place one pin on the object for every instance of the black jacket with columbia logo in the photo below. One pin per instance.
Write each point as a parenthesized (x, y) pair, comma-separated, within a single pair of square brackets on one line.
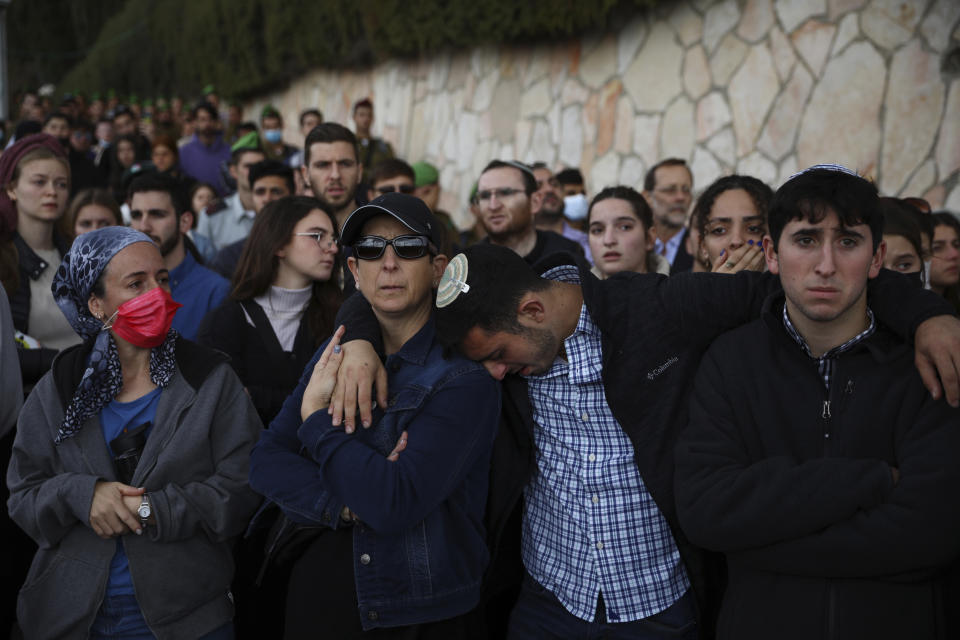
[(820, 543)]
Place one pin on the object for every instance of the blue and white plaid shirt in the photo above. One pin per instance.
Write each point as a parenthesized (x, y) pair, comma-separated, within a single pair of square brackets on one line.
[(589, 524)]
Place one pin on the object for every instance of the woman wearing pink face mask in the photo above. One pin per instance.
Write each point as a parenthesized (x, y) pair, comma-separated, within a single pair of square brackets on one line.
[(130, 462)]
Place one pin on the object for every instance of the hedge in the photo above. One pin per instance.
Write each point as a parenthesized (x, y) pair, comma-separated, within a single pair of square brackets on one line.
[(246, 47)]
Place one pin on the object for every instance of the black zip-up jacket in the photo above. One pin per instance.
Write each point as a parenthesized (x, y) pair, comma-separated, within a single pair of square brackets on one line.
[(794, 483), (33, 362), (654, 330)]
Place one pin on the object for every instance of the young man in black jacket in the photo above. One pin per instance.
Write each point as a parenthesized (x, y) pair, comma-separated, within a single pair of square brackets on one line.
[(814, 458)]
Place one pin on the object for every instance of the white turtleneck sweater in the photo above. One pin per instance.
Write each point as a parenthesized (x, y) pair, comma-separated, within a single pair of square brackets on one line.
[(284, 309)]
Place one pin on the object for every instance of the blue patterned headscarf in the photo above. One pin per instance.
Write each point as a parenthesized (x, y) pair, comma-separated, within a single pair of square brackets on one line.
[(102, 379)]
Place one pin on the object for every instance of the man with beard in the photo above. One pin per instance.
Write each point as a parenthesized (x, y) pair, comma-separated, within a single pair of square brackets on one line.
[(202, 156), (83, 174), (668, 188), (157, 209), (550, 216), (332, 169), (507, 195)]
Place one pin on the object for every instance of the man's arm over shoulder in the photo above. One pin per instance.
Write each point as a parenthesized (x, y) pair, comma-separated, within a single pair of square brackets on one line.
[(728, 498), (448, 436)]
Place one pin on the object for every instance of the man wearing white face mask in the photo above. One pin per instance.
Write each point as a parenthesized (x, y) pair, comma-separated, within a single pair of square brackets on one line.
[(272, 123), (554, 209)]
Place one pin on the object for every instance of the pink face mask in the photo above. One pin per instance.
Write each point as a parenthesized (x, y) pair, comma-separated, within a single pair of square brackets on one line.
[(144, 321)]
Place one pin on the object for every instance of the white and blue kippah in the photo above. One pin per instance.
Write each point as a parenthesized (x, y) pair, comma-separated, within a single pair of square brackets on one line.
[(453, 282)]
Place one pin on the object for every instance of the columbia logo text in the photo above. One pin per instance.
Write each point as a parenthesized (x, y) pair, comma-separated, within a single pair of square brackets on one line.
[(653, 374)]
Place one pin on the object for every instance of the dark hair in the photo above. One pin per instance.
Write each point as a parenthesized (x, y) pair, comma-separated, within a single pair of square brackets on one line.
[(811, 194), (58, 115), (122, 110), (900, 219), (153, 181), (272, 230), (650, 180), (363, 102), (529, 180), (947, 219), (498, 279), (237, 153), (569, 176), (205, 106), (639, 205), (100, 197), (391, 168), (328, 133), (310, 112), (759, 193), (272, 168)]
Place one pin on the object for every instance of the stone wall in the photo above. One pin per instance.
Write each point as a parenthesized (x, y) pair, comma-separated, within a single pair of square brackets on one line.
[(754, 86)]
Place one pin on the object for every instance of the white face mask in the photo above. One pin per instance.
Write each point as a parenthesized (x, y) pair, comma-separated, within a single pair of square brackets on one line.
[(575, 207)]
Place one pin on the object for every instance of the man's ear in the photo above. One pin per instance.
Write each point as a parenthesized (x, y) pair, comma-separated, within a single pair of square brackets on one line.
[(186, 221), (359, 172), (536, 201), (877, 262), (232, 168), (770, 254), (531, 310)]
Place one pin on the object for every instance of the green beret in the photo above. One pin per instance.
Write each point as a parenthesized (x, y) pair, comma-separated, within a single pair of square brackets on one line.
[(249, 141), (207, 90), (425, 173), (269, 111)]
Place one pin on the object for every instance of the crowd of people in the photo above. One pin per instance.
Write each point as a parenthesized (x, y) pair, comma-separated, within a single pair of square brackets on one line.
[(260, 389)]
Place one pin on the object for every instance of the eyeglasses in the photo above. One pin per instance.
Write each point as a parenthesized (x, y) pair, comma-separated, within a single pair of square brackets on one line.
[(406, 247), (502, 194), (389, 188), (322, 237)]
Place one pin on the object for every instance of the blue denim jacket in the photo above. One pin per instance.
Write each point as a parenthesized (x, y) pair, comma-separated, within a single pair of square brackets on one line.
[(419, 550)]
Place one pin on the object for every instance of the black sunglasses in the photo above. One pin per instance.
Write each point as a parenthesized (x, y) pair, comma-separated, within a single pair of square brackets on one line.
[(389, 188), (406, 247)]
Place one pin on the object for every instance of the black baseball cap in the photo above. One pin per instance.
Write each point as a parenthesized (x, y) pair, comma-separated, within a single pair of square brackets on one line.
[(409, 210)]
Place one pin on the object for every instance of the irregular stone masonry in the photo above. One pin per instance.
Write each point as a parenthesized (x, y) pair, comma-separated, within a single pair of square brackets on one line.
[(753, 86)]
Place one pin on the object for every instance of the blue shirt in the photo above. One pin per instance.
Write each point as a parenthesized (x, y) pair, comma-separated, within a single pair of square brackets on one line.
[(199, 290), (203, 162), (589, 524), (114, 418), (669, 250)]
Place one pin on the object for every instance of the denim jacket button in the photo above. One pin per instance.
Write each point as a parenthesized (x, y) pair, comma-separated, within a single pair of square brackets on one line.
[(365, 559), (373, 615)]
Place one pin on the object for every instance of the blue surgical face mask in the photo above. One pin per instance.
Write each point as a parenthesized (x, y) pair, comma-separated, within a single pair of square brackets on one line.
[(273, 136), (575, 207)]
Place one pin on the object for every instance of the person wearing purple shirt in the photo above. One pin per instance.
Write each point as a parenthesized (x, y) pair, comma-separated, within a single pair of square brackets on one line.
[(202, 157)]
